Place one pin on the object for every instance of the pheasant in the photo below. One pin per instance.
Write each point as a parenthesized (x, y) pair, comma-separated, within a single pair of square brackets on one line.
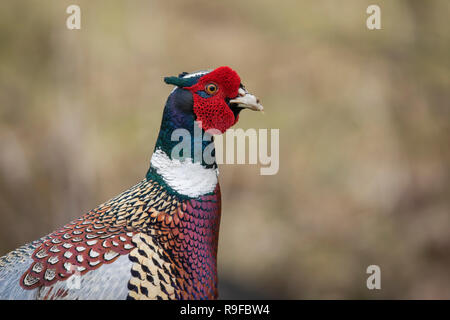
[(158, 239)]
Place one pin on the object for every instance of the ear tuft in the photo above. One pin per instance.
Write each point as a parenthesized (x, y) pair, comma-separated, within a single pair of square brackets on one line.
[(174, 80), (180, 82)]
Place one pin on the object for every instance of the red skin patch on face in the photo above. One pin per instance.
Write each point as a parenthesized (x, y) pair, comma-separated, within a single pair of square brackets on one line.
[(214, 112)]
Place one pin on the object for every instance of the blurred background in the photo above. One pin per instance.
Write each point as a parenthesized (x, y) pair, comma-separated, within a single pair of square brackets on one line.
[(364, 121)]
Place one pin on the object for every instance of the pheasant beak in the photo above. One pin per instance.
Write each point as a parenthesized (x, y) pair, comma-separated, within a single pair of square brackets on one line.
[(247, 100)]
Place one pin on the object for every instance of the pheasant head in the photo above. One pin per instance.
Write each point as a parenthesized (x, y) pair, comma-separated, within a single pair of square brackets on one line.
[(214, 98)]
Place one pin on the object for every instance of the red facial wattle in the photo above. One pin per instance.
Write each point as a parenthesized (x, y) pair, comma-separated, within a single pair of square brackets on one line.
[(213, 112)]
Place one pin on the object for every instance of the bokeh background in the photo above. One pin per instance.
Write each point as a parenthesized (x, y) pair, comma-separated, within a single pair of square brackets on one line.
[(363, 116)]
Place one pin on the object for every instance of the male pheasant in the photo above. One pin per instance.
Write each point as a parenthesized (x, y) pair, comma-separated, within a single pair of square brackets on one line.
[(158, 239)]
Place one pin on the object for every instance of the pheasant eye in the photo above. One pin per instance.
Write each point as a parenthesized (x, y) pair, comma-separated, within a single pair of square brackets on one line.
[(211, 88)]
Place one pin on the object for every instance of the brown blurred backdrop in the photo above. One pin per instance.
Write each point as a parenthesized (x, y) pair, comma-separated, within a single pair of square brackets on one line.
[(363, 118)]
